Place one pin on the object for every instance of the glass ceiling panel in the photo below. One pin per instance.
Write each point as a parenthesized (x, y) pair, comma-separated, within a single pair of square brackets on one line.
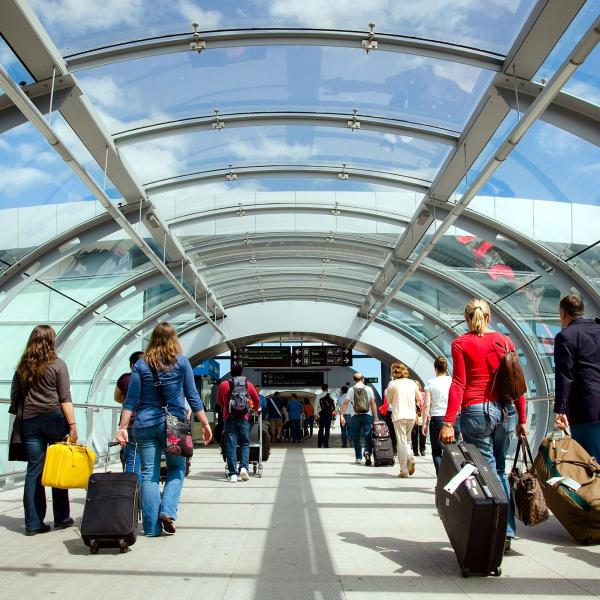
[(285, 78), (14, 67), (287, 145), (588, 264), (548, 190), (585, 83), (477, 263), (76, 26), (413, 320)]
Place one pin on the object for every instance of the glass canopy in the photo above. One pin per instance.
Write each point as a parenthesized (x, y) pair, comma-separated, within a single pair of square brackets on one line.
[(282, 161)]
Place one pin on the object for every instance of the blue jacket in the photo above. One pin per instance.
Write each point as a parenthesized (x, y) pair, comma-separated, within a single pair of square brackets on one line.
[(177, 384), (577, 365)]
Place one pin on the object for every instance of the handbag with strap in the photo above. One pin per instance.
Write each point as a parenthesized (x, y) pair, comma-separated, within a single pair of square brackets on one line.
[(509, 379), (527, 493), (179, 433), (68, 465)]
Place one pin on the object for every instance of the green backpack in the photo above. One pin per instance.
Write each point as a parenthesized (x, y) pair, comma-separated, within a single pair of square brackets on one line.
[(361, 400)]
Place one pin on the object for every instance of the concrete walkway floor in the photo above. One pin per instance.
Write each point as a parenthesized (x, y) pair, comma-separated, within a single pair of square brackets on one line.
[(315, 526)]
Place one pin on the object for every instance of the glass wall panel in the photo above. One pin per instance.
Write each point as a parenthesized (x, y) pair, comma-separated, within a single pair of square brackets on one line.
[(588, 264), (14, 67), (177, 86), (547, 189), (470, 24)]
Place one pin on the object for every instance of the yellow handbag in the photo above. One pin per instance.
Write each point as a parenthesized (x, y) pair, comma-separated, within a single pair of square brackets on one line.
[(68, 465)]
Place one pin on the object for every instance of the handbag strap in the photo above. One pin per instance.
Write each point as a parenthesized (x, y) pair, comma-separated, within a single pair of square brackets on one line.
[(158, 387), (525, 451)]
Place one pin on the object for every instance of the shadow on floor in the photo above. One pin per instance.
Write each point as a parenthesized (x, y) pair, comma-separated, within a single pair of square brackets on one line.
[(15, 524), (581, 554), (401, 489)]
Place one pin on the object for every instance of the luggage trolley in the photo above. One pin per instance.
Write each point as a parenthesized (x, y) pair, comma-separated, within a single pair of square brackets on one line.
[(256, 444)]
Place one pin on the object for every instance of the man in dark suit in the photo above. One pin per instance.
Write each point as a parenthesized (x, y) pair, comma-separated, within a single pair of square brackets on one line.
[(577, 366)]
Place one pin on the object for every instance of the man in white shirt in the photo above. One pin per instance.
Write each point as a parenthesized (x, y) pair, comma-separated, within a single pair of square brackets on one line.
[(362, 399)]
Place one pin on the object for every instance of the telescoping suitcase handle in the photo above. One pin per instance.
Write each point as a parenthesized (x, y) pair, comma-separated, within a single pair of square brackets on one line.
[(476, 473), (112, 445)]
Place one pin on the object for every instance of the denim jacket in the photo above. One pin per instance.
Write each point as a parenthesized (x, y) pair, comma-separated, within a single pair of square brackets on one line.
[(177, 384)]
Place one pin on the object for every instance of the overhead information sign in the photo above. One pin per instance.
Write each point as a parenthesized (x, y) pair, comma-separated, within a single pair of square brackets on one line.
[(261, 356), (321, 356), (280, 379)]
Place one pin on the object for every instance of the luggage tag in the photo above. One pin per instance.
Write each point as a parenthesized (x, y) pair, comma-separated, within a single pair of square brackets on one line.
[(461, 476), (570, 483)]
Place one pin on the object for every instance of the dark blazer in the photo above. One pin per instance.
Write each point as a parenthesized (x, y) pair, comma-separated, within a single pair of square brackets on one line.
[(577, 365)]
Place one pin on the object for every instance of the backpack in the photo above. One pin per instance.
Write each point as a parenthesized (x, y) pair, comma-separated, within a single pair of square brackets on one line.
[(238, 397), (361, 400), (327, 405), (509, 379)]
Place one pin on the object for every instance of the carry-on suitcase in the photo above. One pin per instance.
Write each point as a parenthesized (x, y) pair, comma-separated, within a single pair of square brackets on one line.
[(573, 494), (383, 449), (475, 513), (111, 511)]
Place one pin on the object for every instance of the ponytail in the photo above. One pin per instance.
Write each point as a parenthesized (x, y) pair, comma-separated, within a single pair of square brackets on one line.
[(477, 314)]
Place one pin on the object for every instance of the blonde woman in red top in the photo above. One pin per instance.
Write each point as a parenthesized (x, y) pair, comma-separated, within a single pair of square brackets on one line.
[(484, 421)]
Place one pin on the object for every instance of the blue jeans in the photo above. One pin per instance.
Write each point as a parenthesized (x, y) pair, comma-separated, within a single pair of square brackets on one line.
[(309, 424), (346, 430), (435, 426), (296, 430), (484, 426), (237, 432), (132, 456), (37, 433), (151, 442), (588, 435), (361, 424)]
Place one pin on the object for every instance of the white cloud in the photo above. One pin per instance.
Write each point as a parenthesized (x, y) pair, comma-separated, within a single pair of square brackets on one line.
[(267, 149), (464, 76), (583, 90), (14, 180), (589, 169), (105, 92), (192, 12), (556, 142), (90, 15), (7, 58)]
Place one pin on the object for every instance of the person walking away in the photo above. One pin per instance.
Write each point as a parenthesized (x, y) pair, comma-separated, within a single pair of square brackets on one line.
[(362, 399), (237, 396), (345, 422), (484, 421), (577, 365), (309, 422), (40, 398), (326, 411), (295, 408), (403, 396), (131, 462), (387, 416), (418, 438), (163, 360), (436, 402), (285, 432), (275, 412)]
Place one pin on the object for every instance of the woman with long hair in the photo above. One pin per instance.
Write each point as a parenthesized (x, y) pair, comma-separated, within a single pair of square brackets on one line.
[(40, 397), (163, 356), (403, 396), (484, 422)]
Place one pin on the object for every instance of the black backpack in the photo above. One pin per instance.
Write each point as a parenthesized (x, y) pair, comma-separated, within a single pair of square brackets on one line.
[(327, 406), (238, 397)]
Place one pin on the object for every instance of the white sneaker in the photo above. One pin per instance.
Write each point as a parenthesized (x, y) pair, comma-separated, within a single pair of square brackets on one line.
[(244, 475), (358, 461), (233, 478)]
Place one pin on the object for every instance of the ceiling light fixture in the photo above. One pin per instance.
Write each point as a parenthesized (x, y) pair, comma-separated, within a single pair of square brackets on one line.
[(197, 44), (370, 43), (231, 176), (354, 123), (218, 124), (343, 176)]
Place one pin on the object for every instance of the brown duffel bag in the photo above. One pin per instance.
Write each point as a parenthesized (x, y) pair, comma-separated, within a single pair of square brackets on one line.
[(577, 510)]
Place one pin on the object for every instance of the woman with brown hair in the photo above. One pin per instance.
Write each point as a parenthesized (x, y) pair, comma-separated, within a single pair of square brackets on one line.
[(403, 396), (484, 421), (40, 397), (163, 357)]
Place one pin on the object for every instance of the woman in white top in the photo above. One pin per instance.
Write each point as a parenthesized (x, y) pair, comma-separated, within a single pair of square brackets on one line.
[(403, 395), (436, 401)]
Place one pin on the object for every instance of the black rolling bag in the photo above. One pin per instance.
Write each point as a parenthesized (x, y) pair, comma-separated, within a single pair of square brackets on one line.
[(383, 449), (475, 515), (111, 512)]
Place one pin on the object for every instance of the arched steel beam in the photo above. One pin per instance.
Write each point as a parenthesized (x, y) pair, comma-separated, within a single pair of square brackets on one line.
[(258, 119), (268, 171), (234, 38), (246, 210)]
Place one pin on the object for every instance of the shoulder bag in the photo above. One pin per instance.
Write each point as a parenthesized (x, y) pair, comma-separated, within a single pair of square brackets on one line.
[(179, 433), (509, 379)]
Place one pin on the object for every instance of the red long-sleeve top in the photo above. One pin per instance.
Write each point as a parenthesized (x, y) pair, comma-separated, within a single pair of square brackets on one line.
[(475, 361), (223, 397)]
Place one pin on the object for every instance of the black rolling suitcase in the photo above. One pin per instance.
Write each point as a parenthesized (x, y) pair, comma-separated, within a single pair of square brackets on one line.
[(383, 449), (111, 512), (475, 515)]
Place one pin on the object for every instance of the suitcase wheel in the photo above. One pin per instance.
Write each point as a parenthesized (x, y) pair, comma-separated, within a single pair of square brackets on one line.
[(497, 572), (94, 547), (123, 546), (254, 468), (260, 470), (464, 572)]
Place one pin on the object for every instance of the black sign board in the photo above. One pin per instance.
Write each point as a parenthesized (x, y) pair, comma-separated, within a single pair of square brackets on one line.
[(321, 356), (280, 379), (371, 380), (261, 356)]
